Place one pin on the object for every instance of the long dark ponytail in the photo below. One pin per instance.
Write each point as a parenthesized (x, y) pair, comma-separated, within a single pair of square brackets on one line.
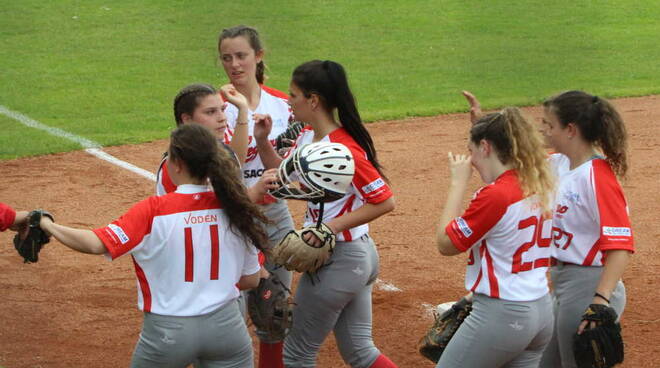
[(198, 149), (328, 80), (599, 123)]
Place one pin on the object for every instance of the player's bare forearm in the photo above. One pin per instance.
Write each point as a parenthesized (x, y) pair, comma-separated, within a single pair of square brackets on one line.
[(362, 215), (268, 155), (249, 281), (239, 141), (451, 210), (616, 263), (19, 220), (254, 194), (84, 241)]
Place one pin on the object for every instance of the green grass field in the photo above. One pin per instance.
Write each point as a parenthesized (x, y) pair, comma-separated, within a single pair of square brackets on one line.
[(108, 70)]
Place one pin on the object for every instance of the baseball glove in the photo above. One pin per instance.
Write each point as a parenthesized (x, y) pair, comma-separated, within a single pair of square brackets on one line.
[(601, 346), (270, 309), (444, 327), (285, 140), (295, 254), (28, 245)]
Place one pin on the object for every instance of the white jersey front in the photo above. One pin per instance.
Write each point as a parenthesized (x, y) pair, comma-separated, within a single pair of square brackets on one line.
[(591, 214), (367, 186), (187, 260), (274, 103), (508, 241)]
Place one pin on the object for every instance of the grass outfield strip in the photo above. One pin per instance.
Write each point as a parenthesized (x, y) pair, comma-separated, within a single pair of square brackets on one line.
[(108, 71)]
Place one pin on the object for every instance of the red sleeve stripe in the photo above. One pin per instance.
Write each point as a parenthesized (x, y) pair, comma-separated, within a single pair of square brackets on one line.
[(7, 216), (452, 233), (144, 286)]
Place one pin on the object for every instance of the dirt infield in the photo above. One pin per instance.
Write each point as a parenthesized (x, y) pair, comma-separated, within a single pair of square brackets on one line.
[(72, 309)]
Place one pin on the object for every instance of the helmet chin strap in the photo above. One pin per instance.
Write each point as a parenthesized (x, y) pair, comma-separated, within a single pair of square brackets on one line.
[(320, 219)]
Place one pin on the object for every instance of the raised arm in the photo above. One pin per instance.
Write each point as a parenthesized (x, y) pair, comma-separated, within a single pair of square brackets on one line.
[(239, 141), (461, 170), (263, 124)]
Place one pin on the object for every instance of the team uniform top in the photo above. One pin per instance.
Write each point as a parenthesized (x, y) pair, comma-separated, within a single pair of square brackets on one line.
[(591, 214), (164, 183), (508, 240), (186, 259), (367, 185), (274, 103), (7, 216)]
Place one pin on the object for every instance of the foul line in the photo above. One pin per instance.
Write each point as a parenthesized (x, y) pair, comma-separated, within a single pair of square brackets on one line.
[(94, 149), (90, 147)]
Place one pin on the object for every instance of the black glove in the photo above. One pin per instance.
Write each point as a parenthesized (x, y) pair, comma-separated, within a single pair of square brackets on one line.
[(601, 346), (29, 245)]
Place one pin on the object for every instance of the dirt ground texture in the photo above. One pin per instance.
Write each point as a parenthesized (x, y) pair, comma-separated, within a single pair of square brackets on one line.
[(71, 309)]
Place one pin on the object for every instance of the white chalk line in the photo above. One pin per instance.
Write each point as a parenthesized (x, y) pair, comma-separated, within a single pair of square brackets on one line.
[(90, 147), (94, 149)]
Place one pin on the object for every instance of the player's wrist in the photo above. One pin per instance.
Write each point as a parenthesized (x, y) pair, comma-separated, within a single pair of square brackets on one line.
[(600, 298)]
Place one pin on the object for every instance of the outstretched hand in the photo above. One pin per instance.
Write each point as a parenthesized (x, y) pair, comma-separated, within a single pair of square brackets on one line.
[(475, 107)]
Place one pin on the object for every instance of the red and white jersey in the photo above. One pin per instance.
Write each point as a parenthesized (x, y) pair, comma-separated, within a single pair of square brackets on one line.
[(186, 258), (508, 241), (164, 183), (367, 186), (7, 216), (274, 103), (591, 213)]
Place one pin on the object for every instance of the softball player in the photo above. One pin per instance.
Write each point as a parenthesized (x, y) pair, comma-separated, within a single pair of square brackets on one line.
[(9, 218), (338, 297), (191, 248), (201, 104), (592, 237), (241, 53), (506, 229)]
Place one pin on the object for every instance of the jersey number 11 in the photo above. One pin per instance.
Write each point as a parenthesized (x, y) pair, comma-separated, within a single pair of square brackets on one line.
[(215, 253)]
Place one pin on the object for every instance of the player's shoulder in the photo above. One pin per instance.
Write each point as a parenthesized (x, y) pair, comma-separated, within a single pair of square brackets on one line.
[(342, 136), (504, 191), (603, 175), (274, 92)]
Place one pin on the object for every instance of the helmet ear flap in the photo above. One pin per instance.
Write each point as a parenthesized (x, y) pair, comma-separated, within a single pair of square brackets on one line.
[(324, 171)]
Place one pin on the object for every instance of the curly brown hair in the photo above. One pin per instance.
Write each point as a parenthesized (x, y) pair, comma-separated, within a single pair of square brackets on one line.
[(519, 143), (197, 148)]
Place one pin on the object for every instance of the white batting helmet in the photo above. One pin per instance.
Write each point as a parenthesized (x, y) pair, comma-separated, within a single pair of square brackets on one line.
[(324, 170)]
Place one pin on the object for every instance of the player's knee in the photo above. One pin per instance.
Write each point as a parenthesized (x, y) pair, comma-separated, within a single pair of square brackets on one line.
[(361, 357), (294, 356)]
